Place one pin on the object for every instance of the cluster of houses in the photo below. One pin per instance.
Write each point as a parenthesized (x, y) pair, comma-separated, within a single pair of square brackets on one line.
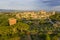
[(34, 15), (31, 15)]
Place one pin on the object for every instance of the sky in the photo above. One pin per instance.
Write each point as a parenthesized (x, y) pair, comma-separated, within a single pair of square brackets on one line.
[(30, 4)]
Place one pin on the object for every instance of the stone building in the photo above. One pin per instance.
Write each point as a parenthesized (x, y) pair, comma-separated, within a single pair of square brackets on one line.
[(12, 21), (18, 16)]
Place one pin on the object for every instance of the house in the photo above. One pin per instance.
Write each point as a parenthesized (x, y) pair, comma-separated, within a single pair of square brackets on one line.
[(57, 24), (18, 16)]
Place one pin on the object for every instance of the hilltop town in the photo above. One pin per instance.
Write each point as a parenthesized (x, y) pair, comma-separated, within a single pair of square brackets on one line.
[(30, 15), (34, 15)]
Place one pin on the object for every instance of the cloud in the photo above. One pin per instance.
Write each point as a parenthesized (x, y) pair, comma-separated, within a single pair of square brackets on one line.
[(52, 3), (56, 8)]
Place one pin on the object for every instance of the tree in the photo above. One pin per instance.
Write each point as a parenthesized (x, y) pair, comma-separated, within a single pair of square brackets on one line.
[(22, 26), (55, 17), (47, 37), (55, 38)]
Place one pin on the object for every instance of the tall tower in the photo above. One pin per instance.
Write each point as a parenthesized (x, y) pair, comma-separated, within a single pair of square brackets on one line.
[(53, 13), (43, 12)]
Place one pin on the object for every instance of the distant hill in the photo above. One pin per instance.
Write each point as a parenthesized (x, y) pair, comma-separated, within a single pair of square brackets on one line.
[(7, 10), (11, 10)]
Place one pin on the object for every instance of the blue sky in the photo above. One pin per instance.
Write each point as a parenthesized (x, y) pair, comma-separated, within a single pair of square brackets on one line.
[(30, 4)]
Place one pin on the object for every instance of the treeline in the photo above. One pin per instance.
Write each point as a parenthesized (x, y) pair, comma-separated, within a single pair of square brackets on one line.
[(24, 29)]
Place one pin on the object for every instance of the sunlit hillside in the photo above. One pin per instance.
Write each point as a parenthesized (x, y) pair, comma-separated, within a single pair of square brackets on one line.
[(30, 25)]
